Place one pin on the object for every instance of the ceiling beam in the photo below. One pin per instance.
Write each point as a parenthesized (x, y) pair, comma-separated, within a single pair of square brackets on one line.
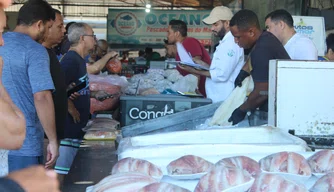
[(120, 5)]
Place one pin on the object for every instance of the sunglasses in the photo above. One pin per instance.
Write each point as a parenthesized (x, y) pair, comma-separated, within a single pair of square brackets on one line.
[(94, 36)]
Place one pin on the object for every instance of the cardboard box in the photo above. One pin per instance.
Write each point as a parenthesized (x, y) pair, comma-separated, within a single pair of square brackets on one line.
[(135, 109)]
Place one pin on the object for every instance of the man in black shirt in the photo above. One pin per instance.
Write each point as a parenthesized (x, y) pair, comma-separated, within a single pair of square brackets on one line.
[(265, 46), (56, 34)]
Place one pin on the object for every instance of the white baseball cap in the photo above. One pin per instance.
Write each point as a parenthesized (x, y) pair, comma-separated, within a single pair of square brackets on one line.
[(218, 13)]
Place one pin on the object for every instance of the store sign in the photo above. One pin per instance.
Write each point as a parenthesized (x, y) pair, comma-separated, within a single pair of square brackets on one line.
[(314, 28), (138, 27), (136, 113)]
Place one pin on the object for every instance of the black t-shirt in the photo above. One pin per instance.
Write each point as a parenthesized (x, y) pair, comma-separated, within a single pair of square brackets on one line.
[(267, 47), (75, 70), (9, 185), (59, 95)]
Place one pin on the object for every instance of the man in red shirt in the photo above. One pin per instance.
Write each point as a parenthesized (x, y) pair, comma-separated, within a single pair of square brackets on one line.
[(177, 32)]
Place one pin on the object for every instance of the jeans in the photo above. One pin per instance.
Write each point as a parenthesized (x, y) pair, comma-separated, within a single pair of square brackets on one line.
[(20, 162)]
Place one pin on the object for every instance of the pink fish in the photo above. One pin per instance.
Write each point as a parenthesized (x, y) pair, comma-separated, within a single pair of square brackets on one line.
[(137, 165), (222, 178), (123, 182), (162, 187), (241, 162), (322, 161), (287, 162), (274, 183), (188, 164), (324, 184)]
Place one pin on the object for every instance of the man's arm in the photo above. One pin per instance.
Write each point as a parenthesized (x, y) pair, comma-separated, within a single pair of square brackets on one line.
[(13, 127), (34, 178), (195, 71), (246, 66), (255, 98), (12, 120), (99, 65), (197, 60), (73, 111), (46, 114)]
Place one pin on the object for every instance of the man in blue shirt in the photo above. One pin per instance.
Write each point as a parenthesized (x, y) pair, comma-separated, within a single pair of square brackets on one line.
[(83, 40), (26, 76), (12, 134)]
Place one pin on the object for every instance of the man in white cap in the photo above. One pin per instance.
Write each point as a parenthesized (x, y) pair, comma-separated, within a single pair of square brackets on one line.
[(227, 60)]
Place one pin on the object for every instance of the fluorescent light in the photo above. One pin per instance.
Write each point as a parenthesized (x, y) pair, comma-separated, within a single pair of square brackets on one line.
[(147, 10), (148, 6)]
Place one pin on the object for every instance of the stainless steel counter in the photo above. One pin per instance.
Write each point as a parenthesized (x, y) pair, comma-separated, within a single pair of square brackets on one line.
[(92, 163)]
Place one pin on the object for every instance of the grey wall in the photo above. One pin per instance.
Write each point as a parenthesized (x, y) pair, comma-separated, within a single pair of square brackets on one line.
[(263, 7)]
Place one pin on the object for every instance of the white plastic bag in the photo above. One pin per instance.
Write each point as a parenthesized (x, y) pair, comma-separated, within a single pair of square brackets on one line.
[(234, 100), (186, 84)]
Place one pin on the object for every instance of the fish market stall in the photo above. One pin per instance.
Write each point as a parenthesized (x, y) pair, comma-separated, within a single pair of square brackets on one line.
[(164, 153), (174, 150)]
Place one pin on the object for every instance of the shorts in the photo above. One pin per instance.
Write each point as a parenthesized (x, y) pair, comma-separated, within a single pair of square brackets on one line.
[(16, 163), (67, 151)]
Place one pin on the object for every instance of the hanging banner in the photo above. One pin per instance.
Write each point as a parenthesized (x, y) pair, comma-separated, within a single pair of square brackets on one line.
[(138, 27), (314, 28)]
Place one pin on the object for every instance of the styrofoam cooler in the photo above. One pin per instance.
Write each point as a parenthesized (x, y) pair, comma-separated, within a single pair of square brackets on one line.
[(213, 142), (265, 135)]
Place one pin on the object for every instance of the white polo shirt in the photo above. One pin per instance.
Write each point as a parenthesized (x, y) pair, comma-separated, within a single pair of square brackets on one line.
[(300, 47), (227, 61)]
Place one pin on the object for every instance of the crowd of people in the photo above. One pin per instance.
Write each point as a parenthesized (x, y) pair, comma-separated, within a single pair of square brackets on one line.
[(35, 81), (228, 67)]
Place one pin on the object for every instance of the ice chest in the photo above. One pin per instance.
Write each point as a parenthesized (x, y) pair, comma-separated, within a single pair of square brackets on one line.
[(135, 109)]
